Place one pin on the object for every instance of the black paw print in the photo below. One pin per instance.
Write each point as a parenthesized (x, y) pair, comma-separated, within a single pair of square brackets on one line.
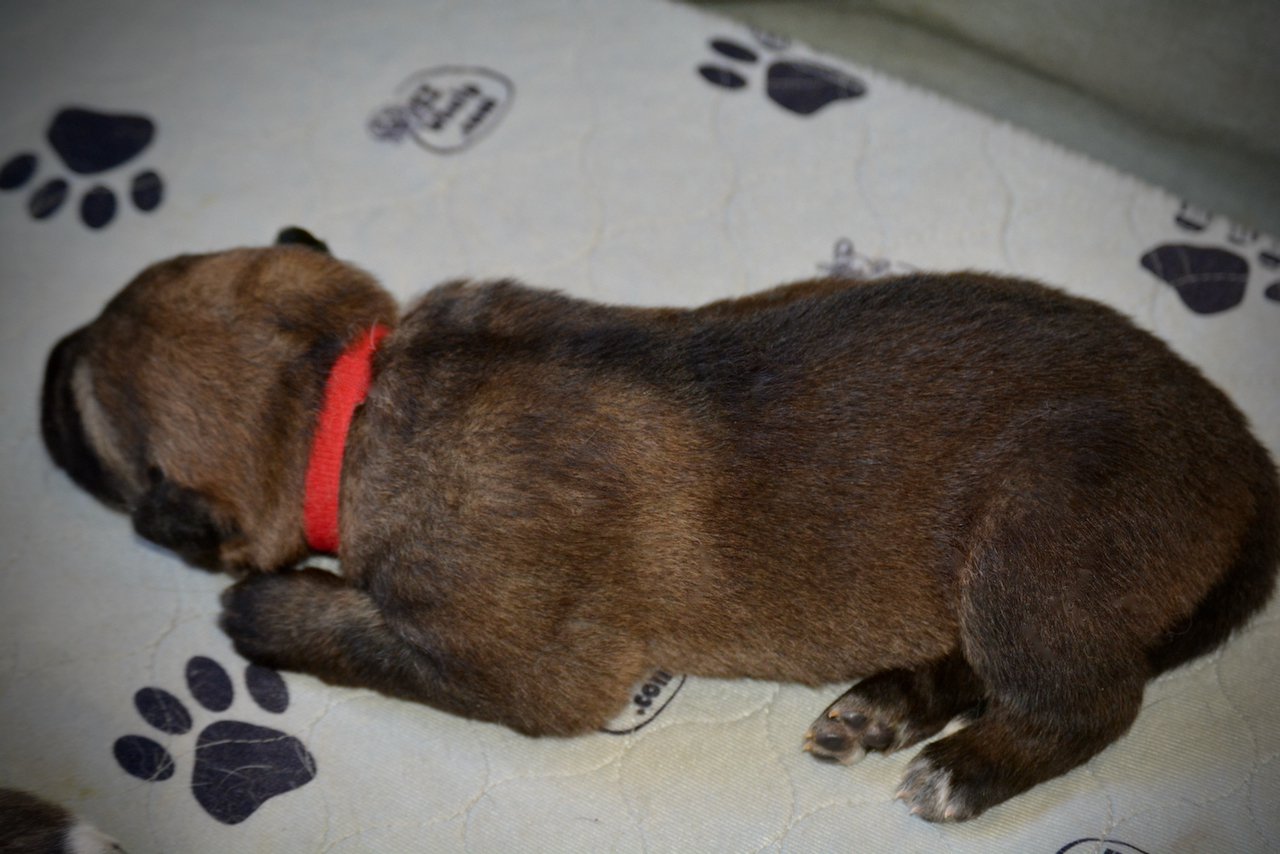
[(803, 88), (239, 766), (1211, 279), (1208, 279), (1269, 259), (88, 143)]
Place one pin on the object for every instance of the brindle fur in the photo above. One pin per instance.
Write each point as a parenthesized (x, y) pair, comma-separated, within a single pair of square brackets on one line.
[(981, 496), (32, 825)]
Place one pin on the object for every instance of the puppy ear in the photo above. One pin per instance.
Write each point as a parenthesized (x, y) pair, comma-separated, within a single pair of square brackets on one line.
[(62, 428), (180, 519), (292, 235)]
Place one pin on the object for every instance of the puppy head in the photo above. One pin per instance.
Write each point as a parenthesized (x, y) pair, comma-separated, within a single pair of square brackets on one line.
[(189, 403)]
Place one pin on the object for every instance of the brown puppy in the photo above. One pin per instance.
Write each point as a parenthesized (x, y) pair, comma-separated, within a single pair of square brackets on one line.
[(983, 498), (30, 825)]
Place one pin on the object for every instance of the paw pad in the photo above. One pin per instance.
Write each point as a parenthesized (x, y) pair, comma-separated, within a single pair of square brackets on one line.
[(800, 87), (88, 142), (849, 729), (238, 766)]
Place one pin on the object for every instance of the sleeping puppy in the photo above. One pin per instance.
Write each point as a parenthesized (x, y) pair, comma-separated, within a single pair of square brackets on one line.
[(29, 825), (985, 499)]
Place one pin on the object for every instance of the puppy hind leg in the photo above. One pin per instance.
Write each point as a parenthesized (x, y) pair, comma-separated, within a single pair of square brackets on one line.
[(895, 709), (1243, 590), (1042, 624), (314, 622), (1007, 751)]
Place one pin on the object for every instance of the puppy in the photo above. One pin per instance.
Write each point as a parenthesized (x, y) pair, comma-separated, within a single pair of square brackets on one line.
[(29, 825), (985, 499)]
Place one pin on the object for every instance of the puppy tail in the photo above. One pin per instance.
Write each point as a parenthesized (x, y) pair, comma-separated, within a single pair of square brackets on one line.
[(1240, 593)]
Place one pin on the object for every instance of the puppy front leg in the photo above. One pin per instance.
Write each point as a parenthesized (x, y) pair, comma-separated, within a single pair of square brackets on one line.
[(314, 622)]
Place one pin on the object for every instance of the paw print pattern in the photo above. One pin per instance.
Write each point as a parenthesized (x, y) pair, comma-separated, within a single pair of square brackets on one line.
[(800, 87), (1270, 261), (238, 766), (1208, 279), (1212, 279), (88, 143)]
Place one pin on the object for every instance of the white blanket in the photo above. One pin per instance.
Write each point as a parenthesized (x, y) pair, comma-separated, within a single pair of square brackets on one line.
[(629, 151)]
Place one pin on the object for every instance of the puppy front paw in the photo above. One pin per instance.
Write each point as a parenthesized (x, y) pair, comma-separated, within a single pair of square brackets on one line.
[(250, 617)]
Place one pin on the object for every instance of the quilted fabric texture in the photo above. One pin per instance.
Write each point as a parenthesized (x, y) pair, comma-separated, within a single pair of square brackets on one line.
[(630, 152)]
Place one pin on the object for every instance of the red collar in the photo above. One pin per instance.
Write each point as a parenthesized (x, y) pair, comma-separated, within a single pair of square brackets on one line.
[(346, 388)]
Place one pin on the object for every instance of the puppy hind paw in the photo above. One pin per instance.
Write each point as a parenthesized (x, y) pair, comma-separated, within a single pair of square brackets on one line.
[(832, 744), (930, 791), (849, 729)]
